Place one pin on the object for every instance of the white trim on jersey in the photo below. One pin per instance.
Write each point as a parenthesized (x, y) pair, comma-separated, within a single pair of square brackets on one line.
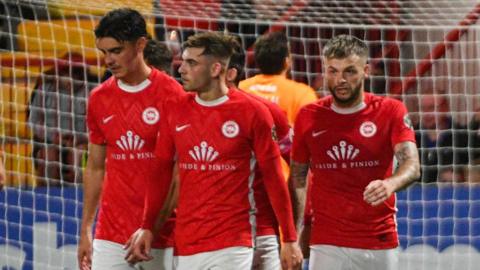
[(355, 109), (133, 88), (251, 198), (211, 103)]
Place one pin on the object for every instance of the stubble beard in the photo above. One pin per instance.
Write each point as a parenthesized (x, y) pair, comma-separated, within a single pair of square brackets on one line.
[(350, 100)]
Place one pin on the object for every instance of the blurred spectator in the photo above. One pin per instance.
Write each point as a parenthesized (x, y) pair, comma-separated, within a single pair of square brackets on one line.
[(57, 118), (473, 172), (442, 143), (376, 82)]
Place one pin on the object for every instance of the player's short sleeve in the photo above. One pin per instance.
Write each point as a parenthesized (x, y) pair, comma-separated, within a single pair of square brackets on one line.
[(300, 151), (402, 129), (95, 134)]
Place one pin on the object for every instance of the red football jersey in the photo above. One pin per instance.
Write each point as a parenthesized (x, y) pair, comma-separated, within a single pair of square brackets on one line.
[(346, 151), (217, 145), (266, 221), (126, 122)]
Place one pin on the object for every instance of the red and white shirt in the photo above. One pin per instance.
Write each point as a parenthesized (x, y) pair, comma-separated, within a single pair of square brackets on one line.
[(266, 222), (216, 144), (346, 151), (125, 119)]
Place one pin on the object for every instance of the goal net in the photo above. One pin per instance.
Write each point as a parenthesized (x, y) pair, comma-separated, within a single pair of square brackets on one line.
[(425, 53)]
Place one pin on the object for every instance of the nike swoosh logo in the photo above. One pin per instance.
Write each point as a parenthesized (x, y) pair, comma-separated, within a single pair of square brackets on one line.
[(318, 133), (180, 128), (107, 119)]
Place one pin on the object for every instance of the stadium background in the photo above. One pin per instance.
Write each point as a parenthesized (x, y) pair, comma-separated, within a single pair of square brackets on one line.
[(416, 48)]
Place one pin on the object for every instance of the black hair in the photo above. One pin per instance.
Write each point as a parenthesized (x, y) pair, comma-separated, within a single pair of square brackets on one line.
[(157, 54), (124, 24), (270, 53), (237, 61)]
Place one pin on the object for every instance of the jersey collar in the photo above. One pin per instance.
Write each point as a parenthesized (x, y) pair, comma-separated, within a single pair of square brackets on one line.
[(211, 103), (134, 88), (351, 110)]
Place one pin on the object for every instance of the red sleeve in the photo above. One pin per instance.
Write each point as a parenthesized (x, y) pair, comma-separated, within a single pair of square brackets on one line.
[(402, 129), (282, 130), (159, 185), (300, 151), (280, 120), (282, 127), (95, 135), (268, 157)]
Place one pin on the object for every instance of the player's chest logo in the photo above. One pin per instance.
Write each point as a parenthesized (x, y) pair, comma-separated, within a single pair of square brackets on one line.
[(130, 141), (368, 129), (230, 129), (345, 155), (343, 151), (150, 115), (205, 157), (203, 152)]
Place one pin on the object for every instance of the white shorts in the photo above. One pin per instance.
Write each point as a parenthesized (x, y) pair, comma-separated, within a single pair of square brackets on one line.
[(234, 258), (326, 257), (267, 253), (109, 255)]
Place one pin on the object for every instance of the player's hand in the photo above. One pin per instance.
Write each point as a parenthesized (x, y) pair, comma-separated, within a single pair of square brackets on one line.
[(84, 251), (291, 256), (139, 246), (377, 192)]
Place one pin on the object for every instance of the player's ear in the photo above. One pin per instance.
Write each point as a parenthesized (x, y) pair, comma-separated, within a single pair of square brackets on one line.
[(140, 44), (231, 74), (366, 70), (216, 69), (287, 64)]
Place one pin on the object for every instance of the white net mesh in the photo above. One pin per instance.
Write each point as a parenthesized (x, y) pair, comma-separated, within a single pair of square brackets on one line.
[(426, 53)]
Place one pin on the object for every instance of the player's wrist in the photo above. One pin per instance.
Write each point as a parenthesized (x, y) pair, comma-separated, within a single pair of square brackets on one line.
[(85, 227), (147, 227), (289, 242)]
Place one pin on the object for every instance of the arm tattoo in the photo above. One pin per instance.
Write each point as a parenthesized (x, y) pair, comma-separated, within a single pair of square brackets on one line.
[(298, 187), (408, 165), (402, 154), (299, 173), (406, 151)]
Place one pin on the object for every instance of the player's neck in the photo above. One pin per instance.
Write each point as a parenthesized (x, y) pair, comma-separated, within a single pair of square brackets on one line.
[(354, 105), (216, 90), (138, 75), (284, 73)]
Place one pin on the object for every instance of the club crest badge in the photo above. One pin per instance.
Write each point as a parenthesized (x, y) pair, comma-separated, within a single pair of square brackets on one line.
[(368, 129), (151, 115), (230, 129)]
